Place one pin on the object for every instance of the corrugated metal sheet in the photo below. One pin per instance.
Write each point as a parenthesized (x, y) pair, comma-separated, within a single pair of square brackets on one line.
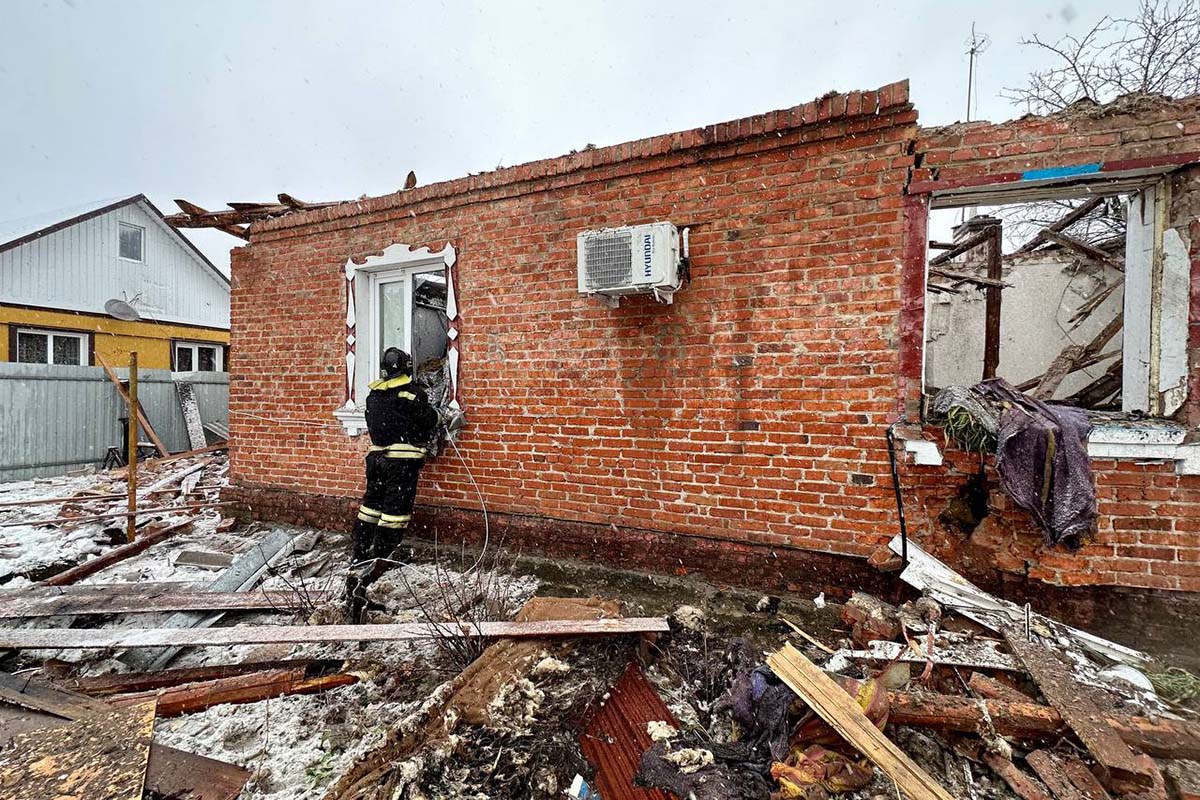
[(78, 269), (54, 419), (614, 737)]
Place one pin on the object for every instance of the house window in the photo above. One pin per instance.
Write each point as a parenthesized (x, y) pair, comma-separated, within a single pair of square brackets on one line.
[(408, 307), (1076, 295), (51, 347), (198, 357), (131, 241)]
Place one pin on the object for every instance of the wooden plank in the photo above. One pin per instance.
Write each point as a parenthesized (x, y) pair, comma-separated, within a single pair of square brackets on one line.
[(83, 639), (130, 682), (194, 600), (993, 298), (28, 692), (993, 689), (180, 775), (1024, 786), (1161, 738), (832, 704), (243, 574), (1083, 779), (1062, 691), (202, 559), (1050, 768), (141, 414), (252, 688), (143, 512), (118, 554), (958, 249), (82, 759), (171, 773)]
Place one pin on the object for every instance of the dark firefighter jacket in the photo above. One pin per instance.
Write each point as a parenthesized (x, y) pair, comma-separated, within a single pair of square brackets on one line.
[(400, 419)]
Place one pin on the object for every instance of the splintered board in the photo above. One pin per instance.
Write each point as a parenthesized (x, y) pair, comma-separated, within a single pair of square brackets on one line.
[(104, 756), (1061, 689), (837, 708)]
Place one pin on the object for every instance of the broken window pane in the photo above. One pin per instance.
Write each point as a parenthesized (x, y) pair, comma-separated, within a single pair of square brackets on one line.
[(207, 359), (67, 350), (33, 348), (429, 323), (391, 315), (183, 359)]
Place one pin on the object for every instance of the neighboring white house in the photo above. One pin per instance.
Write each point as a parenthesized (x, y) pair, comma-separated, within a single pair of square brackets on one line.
[(69, 278)]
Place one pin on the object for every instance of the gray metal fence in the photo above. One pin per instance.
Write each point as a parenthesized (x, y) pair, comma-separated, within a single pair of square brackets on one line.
[(55, 419)]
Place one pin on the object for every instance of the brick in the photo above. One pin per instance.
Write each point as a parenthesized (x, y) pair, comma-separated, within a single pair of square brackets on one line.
[(752, 411)]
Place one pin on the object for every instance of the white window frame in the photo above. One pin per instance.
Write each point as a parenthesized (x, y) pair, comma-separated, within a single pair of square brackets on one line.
[(141, 239), (1154, 343), (397, 263), (50, 334), (195, 348)]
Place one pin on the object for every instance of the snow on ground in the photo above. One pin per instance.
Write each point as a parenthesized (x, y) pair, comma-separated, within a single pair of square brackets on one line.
[(294, 746)]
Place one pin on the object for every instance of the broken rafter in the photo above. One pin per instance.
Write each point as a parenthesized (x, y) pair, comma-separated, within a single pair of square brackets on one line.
[(144, 540), (239, 214), (88, 639), (1064, 223), (967, 244), (968, 277), (191, 210), (131, 682), (1079, 357), (1084, 249)]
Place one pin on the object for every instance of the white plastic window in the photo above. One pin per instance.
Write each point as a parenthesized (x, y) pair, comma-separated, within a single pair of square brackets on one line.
[(51, 347), (198, 357)]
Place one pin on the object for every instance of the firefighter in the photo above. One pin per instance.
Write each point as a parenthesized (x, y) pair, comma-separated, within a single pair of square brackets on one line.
[(401, 424)]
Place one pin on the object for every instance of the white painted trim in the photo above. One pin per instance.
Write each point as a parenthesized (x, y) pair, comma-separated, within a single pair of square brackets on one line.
[(404, 260), (1145, 443), (925, 453)]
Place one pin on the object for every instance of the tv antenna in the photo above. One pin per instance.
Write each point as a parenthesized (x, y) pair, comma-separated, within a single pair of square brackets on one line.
[(975, 45)]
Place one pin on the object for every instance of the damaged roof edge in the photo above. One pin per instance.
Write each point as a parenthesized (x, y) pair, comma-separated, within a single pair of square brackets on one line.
[(830, 107)]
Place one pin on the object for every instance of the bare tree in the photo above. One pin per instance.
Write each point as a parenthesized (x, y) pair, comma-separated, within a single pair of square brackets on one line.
[(1155, 52)]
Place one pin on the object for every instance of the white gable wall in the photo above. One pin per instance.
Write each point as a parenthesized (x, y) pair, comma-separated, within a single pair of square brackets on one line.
[(78, 269)]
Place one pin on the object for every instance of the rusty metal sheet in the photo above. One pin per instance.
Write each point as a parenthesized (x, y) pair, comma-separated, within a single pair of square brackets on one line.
[(614, 736)]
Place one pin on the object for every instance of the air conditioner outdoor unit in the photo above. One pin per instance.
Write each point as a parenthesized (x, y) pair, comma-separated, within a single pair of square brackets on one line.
[(639, 259)]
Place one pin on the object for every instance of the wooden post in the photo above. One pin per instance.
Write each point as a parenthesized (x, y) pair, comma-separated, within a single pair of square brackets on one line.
[(995, 272), (131, 467)]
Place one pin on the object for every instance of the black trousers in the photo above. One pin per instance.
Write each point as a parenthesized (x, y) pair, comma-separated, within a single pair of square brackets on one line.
[(387, 505)]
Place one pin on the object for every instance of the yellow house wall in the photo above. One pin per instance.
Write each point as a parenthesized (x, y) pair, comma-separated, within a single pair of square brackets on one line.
[(112, 339)]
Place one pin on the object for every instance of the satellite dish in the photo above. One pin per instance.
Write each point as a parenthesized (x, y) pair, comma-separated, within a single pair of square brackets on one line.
[(119, 309)]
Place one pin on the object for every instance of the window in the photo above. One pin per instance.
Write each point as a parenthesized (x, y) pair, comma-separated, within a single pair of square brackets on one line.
[(131, 240), (51, 347), (403, 297), (198, 357), (1077, 296), (409, 306)]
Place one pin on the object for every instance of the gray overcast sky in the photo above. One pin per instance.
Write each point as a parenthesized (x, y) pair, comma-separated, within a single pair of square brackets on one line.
[(217, 101)]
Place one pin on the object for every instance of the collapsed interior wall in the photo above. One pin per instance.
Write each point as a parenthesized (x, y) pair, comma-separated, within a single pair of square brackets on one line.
[(1046, 288)]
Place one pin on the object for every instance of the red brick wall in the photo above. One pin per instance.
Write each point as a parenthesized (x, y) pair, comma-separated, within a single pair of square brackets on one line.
[(753, 409), (1149, 534)]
